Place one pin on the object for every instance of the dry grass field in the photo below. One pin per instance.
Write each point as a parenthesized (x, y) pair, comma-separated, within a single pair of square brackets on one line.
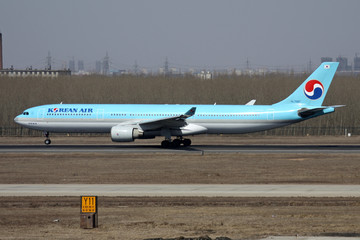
[(141, 218)]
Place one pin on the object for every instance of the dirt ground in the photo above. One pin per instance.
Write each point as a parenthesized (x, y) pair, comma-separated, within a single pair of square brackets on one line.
[(230, 168), (162, 168), (141, 218)]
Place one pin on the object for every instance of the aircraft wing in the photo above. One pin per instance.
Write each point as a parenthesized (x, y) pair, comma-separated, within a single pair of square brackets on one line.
[(169, 122), (307, 112)]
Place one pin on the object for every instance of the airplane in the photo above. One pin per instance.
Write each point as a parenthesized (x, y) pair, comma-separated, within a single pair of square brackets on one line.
[(127, 122)]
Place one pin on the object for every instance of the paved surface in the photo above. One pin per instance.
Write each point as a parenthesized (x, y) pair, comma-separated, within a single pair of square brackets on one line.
[(189, 190), (309, 238), (196, 149)]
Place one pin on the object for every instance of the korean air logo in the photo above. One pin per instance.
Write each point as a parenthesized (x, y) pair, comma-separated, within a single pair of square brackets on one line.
[(55, 110), (313, 89)]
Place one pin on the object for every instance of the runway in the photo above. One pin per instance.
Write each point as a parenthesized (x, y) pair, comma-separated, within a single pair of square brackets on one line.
[(196, 149), (181, 190)]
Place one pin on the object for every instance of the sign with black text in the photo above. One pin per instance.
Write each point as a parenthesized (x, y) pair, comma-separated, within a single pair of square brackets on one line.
[(88, 204)]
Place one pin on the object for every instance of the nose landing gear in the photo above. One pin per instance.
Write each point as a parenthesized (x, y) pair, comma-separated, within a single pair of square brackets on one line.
[(47, 140)]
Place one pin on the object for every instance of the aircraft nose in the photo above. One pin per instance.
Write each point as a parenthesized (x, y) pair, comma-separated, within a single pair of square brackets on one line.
[(16, 119)]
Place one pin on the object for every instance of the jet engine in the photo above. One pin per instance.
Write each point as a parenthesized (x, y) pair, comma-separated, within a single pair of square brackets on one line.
[(125, 133)]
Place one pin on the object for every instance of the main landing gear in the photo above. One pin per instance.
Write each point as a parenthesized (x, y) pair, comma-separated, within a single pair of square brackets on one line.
[(167, 143), (47, 140)]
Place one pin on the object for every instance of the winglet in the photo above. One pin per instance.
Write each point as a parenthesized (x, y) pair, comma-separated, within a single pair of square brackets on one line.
[(190, 113)]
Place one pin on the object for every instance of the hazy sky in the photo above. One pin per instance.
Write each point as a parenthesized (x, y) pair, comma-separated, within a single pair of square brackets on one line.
[(191, 33)]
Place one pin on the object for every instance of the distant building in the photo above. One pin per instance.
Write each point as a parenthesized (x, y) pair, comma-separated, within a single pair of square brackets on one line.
[(34, 73), (72, 65), (206, 75), (343, 64), (356, 63), (98, 67), (80, 65), (326, 59), (119, 73), (161, 71)]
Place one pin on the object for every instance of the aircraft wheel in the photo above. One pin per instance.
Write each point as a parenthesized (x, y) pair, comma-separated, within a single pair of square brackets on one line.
[(47, 141), (165, 144), (186, 142), (176, 143)]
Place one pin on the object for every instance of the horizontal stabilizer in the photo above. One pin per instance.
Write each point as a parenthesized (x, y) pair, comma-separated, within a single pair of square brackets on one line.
[(308, 112), (337, 106)]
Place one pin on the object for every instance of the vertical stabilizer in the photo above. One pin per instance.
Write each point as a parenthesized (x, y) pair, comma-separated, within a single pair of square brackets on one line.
[(313, 90)]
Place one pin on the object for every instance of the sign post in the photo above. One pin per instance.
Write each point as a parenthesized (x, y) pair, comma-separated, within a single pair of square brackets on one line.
[(88, 212)]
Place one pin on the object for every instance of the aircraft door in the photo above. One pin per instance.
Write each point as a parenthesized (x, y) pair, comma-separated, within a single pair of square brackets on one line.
[(100, 114), (270, 115)]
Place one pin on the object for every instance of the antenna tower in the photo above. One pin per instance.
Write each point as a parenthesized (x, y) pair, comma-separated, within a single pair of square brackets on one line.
[(166, 67), (106, 64), (48, 61)]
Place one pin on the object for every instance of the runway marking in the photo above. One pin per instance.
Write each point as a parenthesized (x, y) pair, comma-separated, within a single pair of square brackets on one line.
[(183, 190)]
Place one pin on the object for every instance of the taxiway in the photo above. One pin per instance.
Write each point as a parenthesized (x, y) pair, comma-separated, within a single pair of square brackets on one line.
[(181, 190)]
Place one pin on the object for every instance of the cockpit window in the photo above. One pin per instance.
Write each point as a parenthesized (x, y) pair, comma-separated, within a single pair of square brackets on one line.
[(25, 113)]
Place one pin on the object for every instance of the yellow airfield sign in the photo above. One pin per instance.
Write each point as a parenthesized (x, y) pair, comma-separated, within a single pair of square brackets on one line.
[(89, 204)]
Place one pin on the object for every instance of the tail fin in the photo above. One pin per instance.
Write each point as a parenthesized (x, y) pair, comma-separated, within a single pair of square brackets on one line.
[(313, 90)]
